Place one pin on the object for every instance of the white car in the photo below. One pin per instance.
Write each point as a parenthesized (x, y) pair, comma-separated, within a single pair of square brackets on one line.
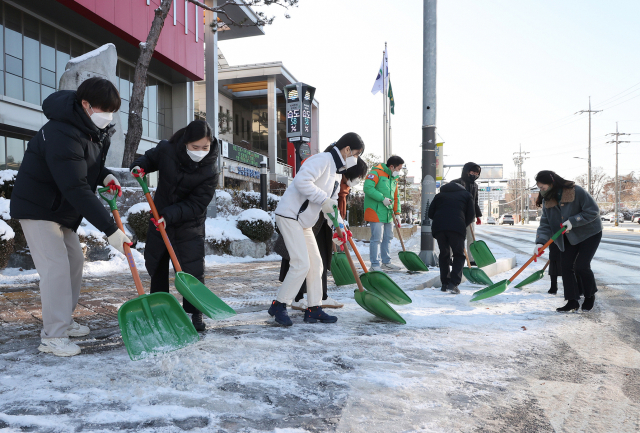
[(611, 217), (491, 220), (506, 219)]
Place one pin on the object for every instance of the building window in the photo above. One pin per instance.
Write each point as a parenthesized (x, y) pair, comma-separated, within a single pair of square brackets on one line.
[(157, 120), (33, 55), (12, 148)]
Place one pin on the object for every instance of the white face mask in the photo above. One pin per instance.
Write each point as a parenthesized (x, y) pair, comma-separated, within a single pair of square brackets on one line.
[(353, 183), (351, 161), (396, 173), (197, 155), (101, 120)]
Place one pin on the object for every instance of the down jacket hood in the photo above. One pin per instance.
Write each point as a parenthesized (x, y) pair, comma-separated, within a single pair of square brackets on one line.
[(63, 106), (452, 187)]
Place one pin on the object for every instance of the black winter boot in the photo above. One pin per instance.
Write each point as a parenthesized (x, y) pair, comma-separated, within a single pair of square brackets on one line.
[(279, 311), (587, 305), (453, 289), (196, 319), (572, 305), (315, 314), (553, 290), (444, 287)]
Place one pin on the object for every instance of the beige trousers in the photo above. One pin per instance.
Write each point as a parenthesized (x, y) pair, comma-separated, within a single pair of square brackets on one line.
[(304, 262), (58, 257)]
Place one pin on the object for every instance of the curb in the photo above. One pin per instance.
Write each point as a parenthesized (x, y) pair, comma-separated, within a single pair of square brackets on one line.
[(620, 229), (500, 266)]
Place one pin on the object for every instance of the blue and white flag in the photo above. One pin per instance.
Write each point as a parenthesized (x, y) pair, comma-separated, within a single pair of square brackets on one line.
[(384, 70)]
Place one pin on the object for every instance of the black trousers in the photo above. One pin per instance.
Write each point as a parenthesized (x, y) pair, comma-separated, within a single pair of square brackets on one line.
[(449, 241), (160, 281), (576, 267)]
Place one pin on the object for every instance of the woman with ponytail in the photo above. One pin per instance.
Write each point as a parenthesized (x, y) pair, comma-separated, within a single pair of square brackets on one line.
[(186, 184), (565, 204)]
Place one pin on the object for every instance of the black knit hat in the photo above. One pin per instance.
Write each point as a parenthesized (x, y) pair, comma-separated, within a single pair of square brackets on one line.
[(352, 140)]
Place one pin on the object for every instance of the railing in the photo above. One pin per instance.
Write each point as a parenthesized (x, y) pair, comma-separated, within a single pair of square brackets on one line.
[(284, 169)]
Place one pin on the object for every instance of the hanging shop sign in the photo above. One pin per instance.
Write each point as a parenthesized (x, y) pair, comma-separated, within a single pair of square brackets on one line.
[(298, 99), (240, 154), (244, 171)]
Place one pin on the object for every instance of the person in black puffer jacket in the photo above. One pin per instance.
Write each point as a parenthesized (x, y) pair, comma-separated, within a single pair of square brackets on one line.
[(187, 182), (451, 212), (55, 188), (470, 173)]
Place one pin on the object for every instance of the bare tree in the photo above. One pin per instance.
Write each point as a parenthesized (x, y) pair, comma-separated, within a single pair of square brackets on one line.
[(136, 104), (598, 181)]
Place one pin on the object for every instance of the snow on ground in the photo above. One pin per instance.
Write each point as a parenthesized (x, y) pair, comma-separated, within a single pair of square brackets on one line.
[(223, 229)]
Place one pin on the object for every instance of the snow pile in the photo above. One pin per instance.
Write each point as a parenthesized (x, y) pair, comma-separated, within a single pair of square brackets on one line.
[(8, 175), (140, 207), (87, 229), (4, 209), (222, 196), (255, 215), (116, 264), (90, 54), (222, 229), (6, 232)]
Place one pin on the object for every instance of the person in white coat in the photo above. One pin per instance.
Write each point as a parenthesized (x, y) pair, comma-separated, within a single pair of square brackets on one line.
[(315, 188)]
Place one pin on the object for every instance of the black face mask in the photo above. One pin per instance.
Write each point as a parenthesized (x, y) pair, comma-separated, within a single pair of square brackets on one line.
[(472, 177)]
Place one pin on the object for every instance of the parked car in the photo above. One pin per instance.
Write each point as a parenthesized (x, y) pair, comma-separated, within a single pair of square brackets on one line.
[(491, 220), (635, 218), (506, 219), (611, 217)]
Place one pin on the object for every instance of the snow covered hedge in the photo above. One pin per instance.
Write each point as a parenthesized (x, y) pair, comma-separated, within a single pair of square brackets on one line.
[(256, 224), (7, 240), (233, 201), (138, 219), (7, 180)]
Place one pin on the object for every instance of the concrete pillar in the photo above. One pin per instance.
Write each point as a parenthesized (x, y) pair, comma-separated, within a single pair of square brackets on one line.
[(182, 104), (211, 90), (272, 114)]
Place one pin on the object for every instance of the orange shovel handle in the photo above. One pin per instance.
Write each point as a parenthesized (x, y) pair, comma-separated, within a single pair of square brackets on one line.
[(163, 232), (129, 256), (349, 259)]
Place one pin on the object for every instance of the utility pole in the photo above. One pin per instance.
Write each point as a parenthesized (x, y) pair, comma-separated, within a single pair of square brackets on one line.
[(616, 195), (518, 159), (590, 188), (428, 128)]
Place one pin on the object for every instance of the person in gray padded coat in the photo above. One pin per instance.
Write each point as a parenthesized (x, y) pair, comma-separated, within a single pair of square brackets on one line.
[(565, 204)]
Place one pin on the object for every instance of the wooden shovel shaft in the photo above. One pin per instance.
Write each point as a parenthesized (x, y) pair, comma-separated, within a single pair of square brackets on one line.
[(353, 267), (473, 235), (163, 232), (466, 256), (355, 250), (127, 253), (544, 247), (400, 236)]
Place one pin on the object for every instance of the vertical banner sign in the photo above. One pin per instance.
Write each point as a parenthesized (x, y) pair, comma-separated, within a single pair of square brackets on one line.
[(439, 161), (298, 99)]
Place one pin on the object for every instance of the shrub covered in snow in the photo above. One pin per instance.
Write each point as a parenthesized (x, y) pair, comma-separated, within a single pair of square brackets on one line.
[(220, 232), (7, 239), (256, 224), (231, 202), (138, 219), (7, 179)]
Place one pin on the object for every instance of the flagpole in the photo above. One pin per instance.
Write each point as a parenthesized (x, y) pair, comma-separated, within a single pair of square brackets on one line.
[(389, 111), (384, 104)]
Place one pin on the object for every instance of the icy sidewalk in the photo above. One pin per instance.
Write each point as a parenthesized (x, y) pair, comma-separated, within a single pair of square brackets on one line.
[(455, 366)]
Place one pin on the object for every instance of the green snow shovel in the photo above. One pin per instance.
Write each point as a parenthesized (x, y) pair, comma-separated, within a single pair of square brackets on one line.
[(497, 288), (189, 286), (536, 276), (150, 324), (475, 275), (340, 269), (369, 301), (409, 259), (480, 251)]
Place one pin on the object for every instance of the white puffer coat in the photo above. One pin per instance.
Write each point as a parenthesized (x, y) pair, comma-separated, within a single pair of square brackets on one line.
[(317, 179)]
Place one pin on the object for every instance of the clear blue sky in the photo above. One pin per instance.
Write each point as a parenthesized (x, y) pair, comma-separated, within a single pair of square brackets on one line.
[(510, 72)]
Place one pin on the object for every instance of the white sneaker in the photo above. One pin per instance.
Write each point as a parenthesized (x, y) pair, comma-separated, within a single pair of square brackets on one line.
[(77, 330), (331, 303), (59, 346), (299, 305), (375, 268), (390, 267)]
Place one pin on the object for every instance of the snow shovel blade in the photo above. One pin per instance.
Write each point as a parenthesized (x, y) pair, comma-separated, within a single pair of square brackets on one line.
[(153, 324), (383, 286), (481, 254), (377, 306), (477, 275), (492, 290), (201, 297), (412, 261), (341, 270), (536, 276)]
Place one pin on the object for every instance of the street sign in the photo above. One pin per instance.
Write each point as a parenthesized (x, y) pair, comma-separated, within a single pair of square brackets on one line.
[(488, 189), (298, 101)]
